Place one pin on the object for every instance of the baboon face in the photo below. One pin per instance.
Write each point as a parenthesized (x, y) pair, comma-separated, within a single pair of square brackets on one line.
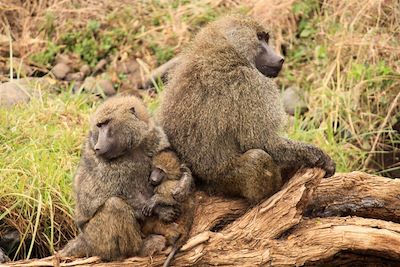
[(250, 40), (118, 126), (156, 176), (166, 164), (267, 61)]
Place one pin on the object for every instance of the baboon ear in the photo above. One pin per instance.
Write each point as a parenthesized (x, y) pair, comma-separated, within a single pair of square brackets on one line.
[(132, 110)]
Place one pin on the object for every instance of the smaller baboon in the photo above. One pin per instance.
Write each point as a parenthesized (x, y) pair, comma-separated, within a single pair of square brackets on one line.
[(173, 186), (111, 185)]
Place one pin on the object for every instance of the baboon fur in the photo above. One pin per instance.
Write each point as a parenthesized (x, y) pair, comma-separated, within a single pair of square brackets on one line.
[(176, 188), (111, 192), (223, 117)]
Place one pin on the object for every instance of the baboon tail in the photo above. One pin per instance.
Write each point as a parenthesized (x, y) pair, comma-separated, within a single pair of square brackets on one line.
[(170, 256)]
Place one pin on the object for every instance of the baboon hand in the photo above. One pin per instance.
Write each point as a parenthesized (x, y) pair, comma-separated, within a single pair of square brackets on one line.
[(179, 193), (318, 158), (148, 208), (183, 189)]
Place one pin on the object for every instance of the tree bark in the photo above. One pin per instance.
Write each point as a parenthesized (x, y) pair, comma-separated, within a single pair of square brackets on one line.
[(301, 225)]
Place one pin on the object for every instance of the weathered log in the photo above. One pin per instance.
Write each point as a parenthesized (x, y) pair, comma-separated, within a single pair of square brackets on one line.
[(357, 194), (284, 230)]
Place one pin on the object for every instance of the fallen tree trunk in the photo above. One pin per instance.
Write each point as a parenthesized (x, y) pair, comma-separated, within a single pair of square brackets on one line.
[(287, 229), (357, 194)]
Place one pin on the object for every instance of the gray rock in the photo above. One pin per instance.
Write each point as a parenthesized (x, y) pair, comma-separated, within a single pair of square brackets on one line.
[(128, 66), (107, 87), (63, 58), (293, 101), (99, 86), (12, 93), (85, 69), (21, 90), (89, 85), (77, 76), (60, 70)]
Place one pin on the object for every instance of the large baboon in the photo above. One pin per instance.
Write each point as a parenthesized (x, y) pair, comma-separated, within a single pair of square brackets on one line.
[(222, 113), (111, 184)]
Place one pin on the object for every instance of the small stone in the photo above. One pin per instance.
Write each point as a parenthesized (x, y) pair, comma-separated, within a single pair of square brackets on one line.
[(62, 58), (20, 91), (293, 101), (100, 66), (12, 93), (60, 70), (85, 69), (89, 85), (128, 66), (107, 87), (77, 76), (99, 86)]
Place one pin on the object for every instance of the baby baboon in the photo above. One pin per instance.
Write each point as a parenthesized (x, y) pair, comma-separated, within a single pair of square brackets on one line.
[(111, 184), (173, 185), (222, 113)]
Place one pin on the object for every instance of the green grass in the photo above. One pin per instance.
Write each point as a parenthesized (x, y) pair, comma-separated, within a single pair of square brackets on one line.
[(337, 144), (40, 148), (347, 66), (350, 90), (144, 29)]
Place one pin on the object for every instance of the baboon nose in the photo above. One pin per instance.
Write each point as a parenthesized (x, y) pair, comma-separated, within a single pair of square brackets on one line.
[(281, 61)]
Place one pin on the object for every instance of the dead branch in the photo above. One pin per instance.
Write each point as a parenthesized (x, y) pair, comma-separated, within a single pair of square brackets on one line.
[(357, 194), (284, 230)]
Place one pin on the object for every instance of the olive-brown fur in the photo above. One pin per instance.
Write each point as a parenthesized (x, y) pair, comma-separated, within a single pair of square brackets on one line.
[(176, 188), (223, 117), (111, 190)]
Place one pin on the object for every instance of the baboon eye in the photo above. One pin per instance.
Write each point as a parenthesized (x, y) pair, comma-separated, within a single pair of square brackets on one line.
[(263, 36), (101, 124), (267, 37), (133, 111)]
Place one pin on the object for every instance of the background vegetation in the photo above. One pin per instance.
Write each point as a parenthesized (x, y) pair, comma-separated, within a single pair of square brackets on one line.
[(344, 55)]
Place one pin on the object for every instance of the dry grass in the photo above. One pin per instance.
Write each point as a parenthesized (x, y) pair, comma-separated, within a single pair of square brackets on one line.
[(40, 148), (344, 54), (146, 25), (40, 142)]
